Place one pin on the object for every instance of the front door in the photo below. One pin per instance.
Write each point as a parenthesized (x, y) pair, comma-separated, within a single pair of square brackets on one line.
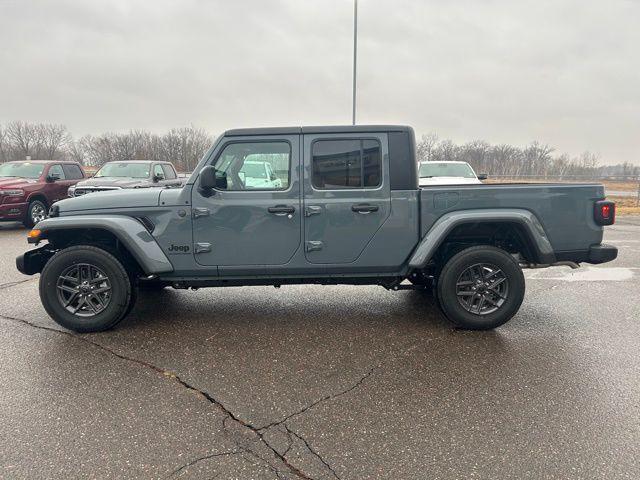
[(255, 219), (58, 189), (346, 194)]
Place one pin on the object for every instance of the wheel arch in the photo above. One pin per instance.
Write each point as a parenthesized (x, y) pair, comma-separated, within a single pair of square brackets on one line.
[(484, 227), (38, 196), (124, 234)]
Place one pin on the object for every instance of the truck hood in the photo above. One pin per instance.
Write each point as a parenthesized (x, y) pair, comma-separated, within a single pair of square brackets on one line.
[(115, 199), (16, 182), (114, 182)]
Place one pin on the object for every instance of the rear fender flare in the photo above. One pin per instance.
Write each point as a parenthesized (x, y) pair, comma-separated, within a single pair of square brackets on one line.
[(445, 224)]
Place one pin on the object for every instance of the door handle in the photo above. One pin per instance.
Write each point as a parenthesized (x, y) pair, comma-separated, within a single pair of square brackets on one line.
[(200, 212), (281, 210), (364, 208)]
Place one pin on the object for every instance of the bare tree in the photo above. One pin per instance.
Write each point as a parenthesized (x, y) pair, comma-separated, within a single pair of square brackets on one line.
[(3, 145), (22, 137), (425, 147), (55, 139)]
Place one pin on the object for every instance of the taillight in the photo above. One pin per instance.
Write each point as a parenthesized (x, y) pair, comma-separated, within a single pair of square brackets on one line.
[(604, 212)]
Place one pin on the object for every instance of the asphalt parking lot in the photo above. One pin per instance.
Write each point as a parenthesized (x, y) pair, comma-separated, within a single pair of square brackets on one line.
[(327, 383)]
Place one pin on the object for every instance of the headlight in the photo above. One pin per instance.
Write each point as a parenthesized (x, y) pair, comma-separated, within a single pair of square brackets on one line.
[(71, 190), (12, 193)]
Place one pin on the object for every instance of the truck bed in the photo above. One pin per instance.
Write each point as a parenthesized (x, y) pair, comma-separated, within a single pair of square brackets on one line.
[(564, 210)]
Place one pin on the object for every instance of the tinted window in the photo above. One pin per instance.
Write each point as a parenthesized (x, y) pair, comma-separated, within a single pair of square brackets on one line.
[(72, 172), (56, 170), (169, 172), (346, 164), (255, 165)]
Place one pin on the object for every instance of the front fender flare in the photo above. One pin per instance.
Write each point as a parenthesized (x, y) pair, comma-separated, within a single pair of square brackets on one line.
[(445, 224), (133, 235)]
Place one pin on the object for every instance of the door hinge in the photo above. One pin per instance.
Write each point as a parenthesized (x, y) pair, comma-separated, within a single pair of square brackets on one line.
[(202, 247), (313, 245), (312, 210), (201, 212)]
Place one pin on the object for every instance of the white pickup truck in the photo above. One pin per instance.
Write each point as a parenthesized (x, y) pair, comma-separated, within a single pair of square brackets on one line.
[(448, 173)]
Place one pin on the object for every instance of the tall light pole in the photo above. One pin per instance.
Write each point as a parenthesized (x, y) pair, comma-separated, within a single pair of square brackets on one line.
[(355, 55)]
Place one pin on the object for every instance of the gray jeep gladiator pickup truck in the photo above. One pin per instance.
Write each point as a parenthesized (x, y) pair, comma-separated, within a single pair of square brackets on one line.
[(341, 206)]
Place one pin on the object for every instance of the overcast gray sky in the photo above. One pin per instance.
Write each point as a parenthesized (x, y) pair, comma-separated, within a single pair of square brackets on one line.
[(564, 72)]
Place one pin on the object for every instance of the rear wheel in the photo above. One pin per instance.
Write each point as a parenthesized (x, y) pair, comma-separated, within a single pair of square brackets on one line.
[(36, 212), (481, 288), (86, 289)]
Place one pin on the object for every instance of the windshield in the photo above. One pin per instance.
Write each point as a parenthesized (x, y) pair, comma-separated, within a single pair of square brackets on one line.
[(124, 169), (435, 169), (254, 170), (21, 169)]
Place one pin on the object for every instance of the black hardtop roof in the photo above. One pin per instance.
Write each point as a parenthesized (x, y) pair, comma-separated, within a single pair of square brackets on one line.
[(237, 132)]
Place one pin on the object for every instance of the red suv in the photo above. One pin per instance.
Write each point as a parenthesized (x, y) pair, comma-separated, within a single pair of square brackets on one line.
[(28, 188)]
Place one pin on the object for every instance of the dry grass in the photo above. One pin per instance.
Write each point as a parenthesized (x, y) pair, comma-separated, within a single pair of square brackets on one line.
[(626, 205), (621, 186)]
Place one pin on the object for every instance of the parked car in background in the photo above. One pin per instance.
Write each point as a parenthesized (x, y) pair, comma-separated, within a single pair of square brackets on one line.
[(259, 175), (28, 188), (129, 174), (448, 173)]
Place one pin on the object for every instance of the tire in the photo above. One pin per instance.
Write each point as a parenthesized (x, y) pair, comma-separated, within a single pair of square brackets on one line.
[(36, 211), (480, 288), (67, 278)]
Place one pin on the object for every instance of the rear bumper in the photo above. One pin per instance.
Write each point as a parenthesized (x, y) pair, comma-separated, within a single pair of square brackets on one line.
[(602, 253), (12, 211)]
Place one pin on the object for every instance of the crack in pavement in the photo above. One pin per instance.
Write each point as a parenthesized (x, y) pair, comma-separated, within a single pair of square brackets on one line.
[(200, 459), (13, 284), (314, 452), (317, 402), (257, 431)]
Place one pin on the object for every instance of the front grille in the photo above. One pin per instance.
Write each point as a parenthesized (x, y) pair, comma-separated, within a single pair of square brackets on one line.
[(79, 191)]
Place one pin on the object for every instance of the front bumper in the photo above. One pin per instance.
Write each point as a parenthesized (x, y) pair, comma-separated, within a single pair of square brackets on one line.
[(602, 253), (13, 211), (33, 261)]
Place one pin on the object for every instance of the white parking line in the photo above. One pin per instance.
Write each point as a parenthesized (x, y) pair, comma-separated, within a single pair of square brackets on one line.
[(584, 274)]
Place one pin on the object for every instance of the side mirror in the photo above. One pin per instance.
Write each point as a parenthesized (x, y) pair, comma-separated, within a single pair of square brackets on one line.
[(483, 176), (210, 178), (157, 178), (52, 177)]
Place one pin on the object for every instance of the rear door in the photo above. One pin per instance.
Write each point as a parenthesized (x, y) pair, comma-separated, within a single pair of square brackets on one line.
[(346, 194), (243, 223)]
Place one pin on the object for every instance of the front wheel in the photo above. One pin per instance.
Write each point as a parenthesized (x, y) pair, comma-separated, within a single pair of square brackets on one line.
[(36, 212), (86, 289), (481, 288)]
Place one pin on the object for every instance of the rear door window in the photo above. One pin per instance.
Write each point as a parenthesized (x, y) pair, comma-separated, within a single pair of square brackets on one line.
[(346, 164), (72, 172)]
